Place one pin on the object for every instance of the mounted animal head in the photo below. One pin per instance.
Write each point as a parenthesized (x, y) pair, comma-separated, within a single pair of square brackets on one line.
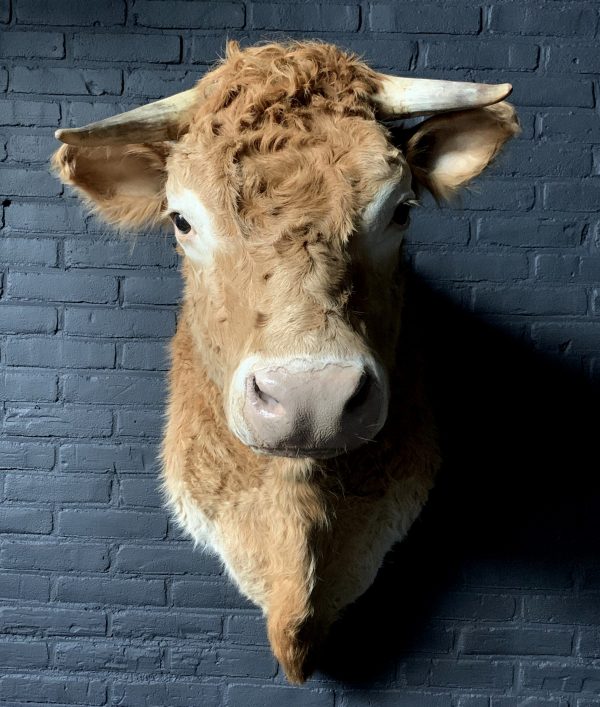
[(289, 201)]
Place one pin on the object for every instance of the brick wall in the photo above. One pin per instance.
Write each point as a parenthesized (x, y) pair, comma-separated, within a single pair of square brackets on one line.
[(494, 601)]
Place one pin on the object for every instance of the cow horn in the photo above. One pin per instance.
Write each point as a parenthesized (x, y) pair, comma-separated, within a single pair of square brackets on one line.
[(411, 97), (156, 121)]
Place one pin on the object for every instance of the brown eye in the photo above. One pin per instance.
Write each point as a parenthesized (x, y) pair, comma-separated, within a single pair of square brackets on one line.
[(401, 214), (180, 223)]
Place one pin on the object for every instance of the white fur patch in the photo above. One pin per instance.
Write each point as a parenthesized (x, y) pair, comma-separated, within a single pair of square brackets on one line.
[(202, 242)]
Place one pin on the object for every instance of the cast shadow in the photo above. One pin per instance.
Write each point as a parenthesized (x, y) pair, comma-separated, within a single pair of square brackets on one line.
[(519, 484)]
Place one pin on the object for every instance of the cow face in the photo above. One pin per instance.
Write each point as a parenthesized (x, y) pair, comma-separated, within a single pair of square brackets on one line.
[(289, 203)]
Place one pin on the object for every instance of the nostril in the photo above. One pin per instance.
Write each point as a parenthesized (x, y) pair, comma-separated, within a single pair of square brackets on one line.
[(361, 394), (261, 395)]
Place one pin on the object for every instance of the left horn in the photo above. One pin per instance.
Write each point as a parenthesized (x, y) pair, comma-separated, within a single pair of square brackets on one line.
[(154, 122), (399, 97)]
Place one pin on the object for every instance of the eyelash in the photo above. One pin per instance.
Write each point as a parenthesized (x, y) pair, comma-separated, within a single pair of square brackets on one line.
[(401, 215), (180, 223)]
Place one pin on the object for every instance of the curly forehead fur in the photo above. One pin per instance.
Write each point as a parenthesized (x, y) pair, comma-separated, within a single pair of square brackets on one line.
[(309, 103)]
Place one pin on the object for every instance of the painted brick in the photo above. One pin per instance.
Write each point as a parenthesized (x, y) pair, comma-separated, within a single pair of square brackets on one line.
[(436, 18), (530, 301), (566, 19), (111, 524), (166, 560), (55, 421), (233, 662), (474, 674), (24, 587), (140, 423), (176, 624), (207, 594), (82, 321), (145, 355), (471, 267), (28, 113), (174, 694), (474, 55), (29, 45), (26, 455), (31, 148), (105, 457), (107, 656), (528, 232), (151, 290), (67, 557), (246, 630), (208, 15), (83, 82), (26, 385), (140, 491), (462, 605), (315, 17), (572, 196), (114, 388), (43, 217), (55, 352), (56, 488), (393, 698), (120, 253), (51, 621), (157, 84), (562, 677), (101, 590), (29, 182), (62, 287), (18, 654), (126, 47), (515, 641), (570, 125), (16, 519), (54, 689), (28, 251), (66, 12), (273, 696)]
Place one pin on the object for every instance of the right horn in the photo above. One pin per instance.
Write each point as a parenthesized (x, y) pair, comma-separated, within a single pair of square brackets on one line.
[(154, 122), (402, 97)]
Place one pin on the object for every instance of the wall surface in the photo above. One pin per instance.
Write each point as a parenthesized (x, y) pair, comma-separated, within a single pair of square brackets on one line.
[(494, 600)]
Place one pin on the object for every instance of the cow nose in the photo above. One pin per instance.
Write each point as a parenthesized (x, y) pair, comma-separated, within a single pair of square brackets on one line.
[(303, 410)]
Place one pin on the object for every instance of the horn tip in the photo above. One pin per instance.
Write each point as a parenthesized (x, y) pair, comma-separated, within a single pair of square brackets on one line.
[(505, 89)]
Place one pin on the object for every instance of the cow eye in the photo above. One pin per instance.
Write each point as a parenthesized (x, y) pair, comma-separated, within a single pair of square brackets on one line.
[(180, 223), (401, 214)]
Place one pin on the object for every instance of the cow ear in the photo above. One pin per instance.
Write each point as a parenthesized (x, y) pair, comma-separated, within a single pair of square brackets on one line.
[(124, 184), (447, 151)]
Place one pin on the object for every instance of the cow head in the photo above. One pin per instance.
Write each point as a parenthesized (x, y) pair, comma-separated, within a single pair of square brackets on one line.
[(289, 201)]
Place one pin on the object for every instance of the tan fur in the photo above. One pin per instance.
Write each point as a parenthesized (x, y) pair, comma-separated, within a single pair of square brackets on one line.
[(286, 153)]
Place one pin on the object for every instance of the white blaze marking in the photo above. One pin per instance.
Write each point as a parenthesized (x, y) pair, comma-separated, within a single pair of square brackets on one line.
[(202, 242)]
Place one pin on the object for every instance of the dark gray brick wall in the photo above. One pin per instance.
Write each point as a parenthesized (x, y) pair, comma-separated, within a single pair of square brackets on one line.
[(494, 600)]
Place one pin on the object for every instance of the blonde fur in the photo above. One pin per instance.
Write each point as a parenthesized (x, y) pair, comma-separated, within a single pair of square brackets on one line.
[(286, 154)]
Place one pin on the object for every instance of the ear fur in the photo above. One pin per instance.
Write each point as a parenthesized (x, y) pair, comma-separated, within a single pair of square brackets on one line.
[(447, 151), (124, 184)]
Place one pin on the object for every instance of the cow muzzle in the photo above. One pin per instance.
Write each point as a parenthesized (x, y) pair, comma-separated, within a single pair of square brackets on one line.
[(307, 408)]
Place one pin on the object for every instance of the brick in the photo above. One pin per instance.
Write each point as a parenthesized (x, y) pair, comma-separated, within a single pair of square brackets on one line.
[(73, 82), (62, 287), (29, 182), (31, 148), (550, 91), (57, 352), (127, 47), (16, 519), (544, 160), (208, 594), (562, 678), (51, 621), (395, 698), (233, 662), (55, 421), (471, 267), (437, 227), (83, 112), (26, 455), (314, 18), (566, 337), (203, 49), (151, 290), (43, 217), (276, 696), (31, 45), (28, 251), (396, 54), (166, 560), (20, 654), (557, 268), (206, 15), (115, 388), (572, 196), (436, 18), (24, 586), (131, 323), (471, 673), (146, 252), (527, 702), (528, 232), (152, 624), (559, 609), (588, 643), (35, 113), (26, 385), (107, 656), (158, 694), (142, 491), (67, 12), (105, 457), (570, 58), (477, 55), (3, 79), (158, 84), (54, 689), (140, 423), (104, 590), (63, 556), (246, 630), (145, 355), (578, 19), (515, 641), (574, 126), (108, 523), (496, 195), (519, 574), (462, 605), (57, 488), (530, 301)]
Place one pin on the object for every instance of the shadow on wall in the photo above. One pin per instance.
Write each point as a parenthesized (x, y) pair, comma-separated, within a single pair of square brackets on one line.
[(519, 491)]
